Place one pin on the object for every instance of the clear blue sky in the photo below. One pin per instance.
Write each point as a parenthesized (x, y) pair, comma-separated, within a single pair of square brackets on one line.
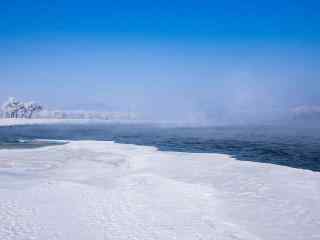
[(228, 58)]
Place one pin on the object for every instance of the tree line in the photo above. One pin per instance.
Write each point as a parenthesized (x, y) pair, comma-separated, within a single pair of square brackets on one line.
[(14, 108)]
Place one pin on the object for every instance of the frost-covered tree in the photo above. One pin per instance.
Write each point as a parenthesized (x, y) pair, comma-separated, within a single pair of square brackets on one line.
[(31, 108), (12, 107), (23, 113)]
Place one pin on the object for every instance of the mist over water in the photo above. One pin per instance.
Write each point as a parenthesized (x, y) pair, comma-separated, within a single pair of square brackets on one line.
[(168, 82), (200, 63), (193, 80)]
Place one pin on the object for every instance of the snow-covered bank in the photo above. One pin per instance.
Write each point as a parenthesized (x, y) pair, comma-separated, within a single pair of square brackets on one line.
[(105, 190), (25, 121), (42, 121)]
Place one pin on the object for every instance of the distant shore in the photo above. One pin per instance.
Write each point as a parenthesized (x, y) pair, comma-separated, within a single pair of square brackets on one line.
[(37, 121), (23, 121)]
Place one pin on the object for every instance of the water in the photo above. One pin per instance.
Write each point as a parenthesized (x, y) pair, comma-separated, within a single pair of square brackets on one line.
[(288, 146)]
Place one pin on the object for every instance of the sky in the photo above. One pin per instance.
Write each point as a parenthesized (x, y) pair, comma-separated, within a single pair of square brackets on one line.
[(202, 61)]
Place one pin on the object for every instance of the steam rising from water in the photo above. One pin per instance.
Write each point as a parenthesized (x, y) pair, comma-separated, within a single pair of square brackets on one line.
[(168, 82)]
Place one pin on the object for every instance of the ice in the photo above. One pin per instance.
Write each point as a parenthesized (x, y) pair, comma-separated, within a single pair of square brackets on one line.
[(105, 190)]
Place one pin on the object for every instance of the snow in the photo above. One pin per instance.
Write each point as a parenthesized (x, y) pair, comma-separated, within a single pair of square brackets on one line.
[(4, 122), (26, 121), (47, 121), (105, 190)]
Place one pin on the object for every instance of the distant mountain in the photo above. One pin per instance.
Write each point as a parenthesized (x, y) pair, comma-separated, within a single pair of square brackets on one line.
[(306, 112)]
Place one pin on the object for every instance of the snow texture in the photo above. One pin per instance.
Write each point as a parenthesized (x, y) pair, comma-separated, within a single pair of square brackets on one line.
[(104, 190)]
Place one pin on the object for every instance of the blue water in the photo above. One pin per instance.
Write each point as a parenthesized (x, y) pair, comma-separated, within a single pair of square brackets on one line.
[(296, 147)]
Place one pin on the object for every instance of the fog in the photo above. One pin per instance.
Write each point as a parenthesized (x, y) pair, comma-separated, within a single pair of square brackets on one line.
[(191, 83)]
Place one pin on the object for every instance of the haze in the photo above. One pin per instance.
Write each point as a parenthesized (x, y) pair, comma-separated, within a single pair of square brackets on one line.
[(210, 62)]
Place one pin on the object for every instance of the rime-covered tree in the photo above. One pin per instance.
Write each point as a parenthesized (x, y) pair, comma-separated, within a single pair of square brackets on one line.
[(12, 107), (31, 108)]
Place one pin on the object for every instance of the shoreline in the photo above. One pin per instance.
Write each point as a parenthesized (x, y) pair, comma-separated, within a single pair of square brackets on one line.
[(7, 122)]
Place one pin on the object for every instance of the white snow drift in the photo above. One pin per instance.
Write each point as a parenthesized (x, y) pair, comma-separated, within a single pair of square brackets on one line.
[(103, 190)]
